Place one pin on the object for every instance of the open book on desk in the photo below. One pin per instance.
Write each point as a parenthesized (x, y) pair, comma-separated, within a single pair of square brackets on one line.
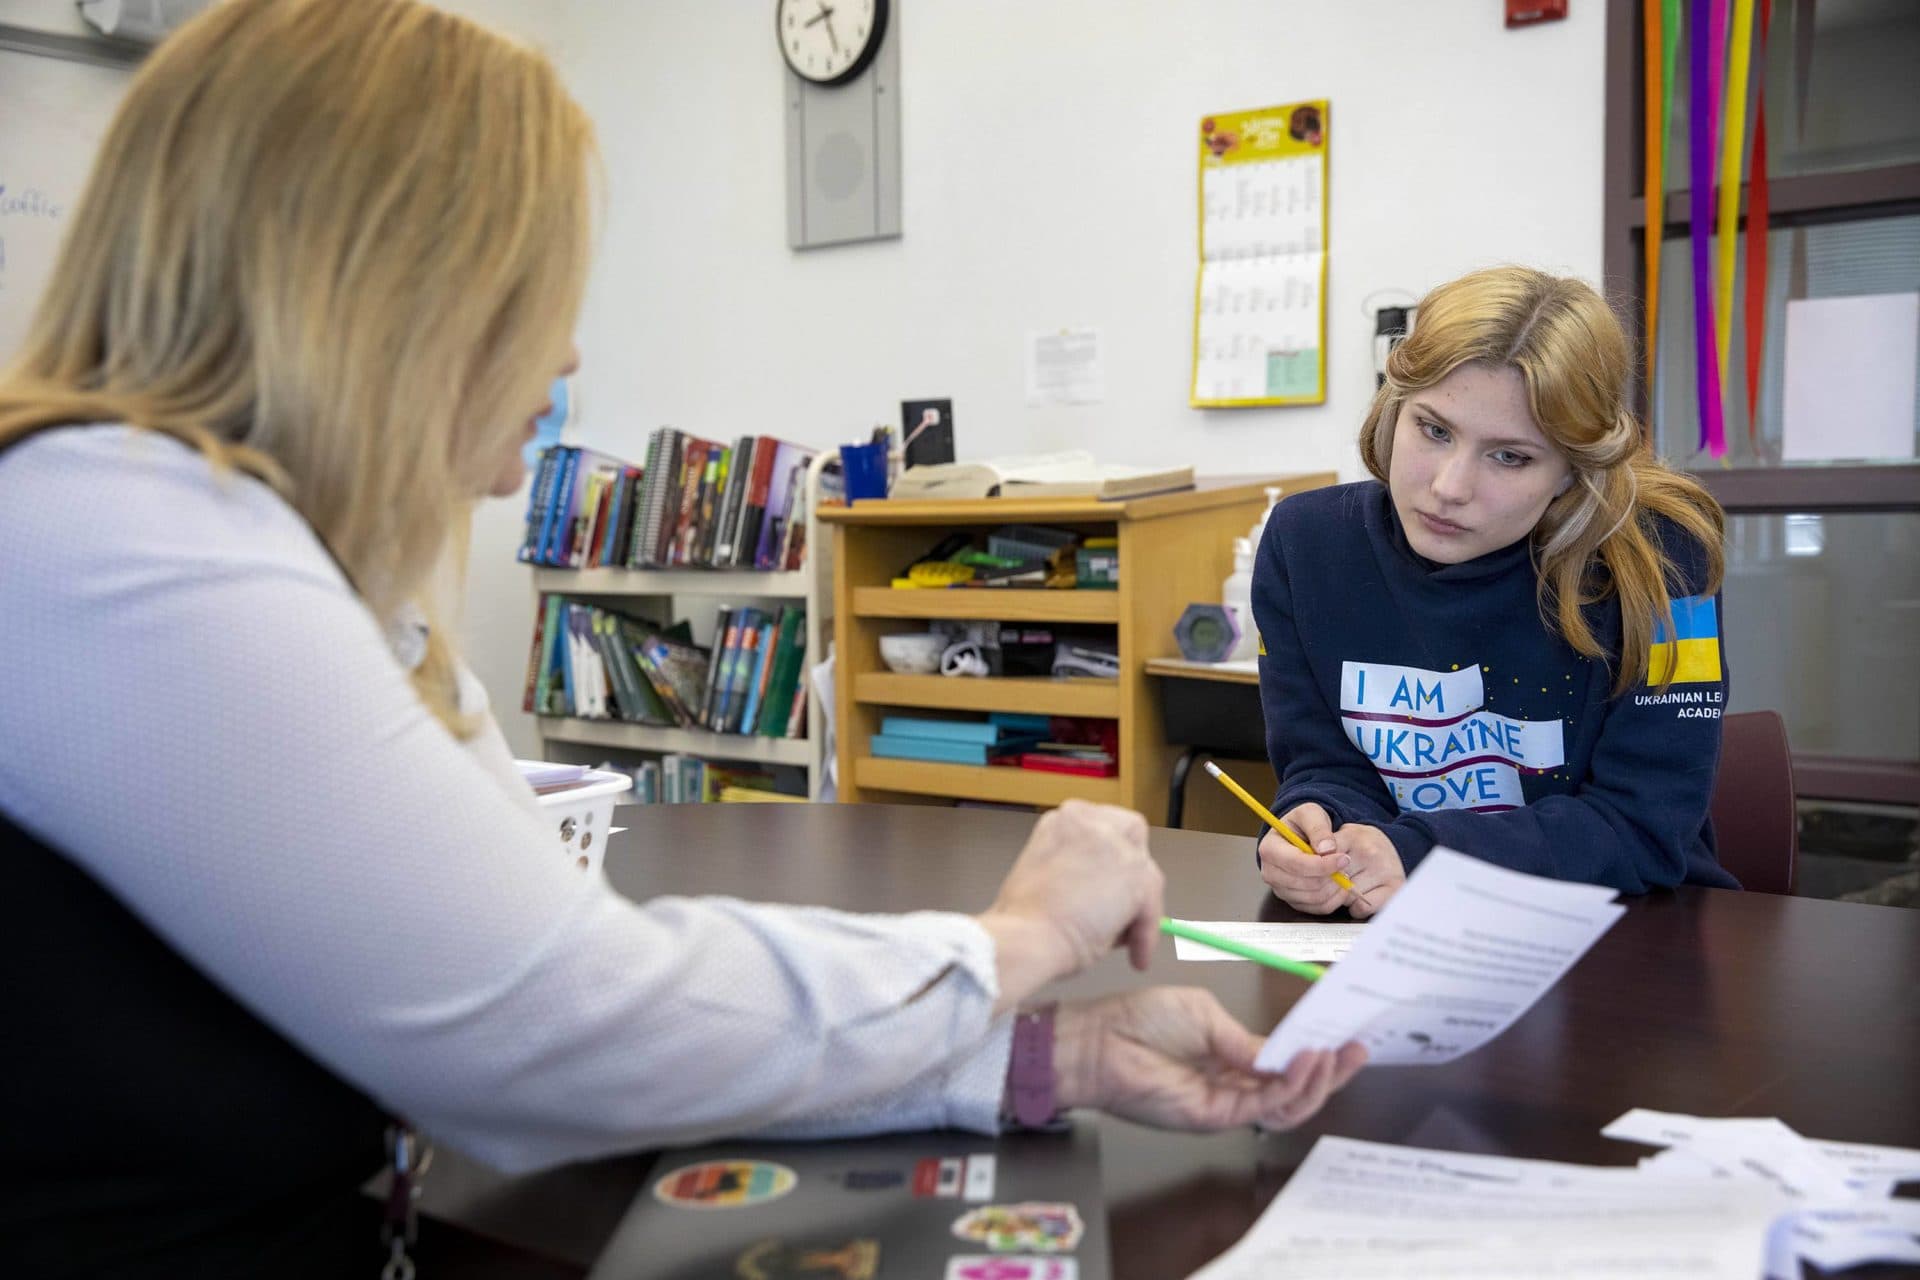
[(1072, 473)]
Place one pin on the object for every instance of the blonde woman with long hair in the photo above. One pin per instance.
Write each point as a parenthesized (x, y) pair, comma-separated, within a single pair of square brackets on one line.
[(274, 884), (1507, 642)]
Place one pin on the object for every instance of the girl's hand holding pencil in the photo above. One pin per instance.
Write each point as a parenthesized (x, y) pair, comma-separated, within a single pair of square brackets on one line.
[(1360, 854), (1355, 867)]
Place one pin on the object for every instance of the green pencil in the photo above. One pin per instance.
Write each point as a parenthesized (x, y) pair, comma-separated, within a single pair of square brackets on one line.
[(1298, 968)]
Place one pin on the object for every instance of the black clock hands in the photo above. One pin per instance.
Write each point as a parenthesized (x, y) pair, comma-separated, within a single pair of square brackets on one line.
[(826, 15)]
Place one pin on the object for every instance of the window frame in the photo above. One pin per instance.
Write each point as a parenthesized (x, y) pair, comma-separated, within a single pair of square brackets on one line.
[(1799, 200)]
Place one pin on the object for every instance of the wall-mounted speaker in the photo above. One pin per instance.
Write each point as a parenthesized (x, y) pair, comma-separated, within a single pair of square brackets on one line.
[(843, 153)]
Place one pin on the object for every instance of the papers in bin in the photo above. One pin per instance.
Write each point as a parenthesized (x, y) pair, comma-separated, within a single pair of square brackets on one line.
[(544, 776)]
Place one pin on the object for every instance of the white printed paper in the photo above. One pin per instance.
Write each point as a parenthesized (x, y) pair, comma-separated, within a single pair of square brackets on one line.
[(1840, 1216), (1454, 958), (978, 1183), (1063, 367), (1315, 943), (1866, 1166), (1365, 1209)]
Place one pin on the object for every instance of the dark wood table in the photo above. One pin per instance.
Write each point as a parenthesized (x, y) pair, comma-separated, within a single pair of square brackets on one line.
[(1702, 1001)]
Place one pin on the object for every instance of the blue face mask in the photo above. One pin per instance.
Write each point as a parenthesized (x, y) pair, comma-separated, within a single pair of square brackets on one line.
[(546, 429)]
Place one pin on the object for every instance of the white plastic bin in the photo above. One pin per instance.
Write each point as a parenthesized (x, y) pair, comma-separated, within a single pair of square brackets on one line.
[(582, 816)]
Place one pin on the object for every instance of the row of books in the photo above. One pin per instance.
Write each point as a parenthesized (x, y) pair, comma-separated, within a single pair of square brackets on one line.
[(599, 664), (1054, 744), (695, 503), (685, 779), (758, 682)]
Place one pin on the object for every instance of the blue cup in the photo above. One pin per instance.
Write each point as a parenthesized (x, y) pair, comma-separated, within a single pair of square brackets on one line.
[(865, 466)]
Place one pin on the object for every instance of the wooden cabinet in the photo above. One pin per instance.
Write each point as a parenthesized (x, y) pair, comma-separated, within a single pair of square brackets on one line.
[(1175, 549)]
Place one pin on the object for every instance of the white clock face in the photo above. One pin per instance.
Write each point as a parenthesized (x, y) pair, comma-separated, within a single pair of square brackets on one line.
[(828, 41)]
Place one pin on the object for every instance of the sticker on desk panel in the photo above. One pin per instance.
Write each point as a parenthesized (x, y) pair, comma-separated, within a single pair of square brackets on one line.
[(978, 1184), (1033, 1226), (999, 1267), (939, 1177), (724, 1184), (782, 1260), (873, 1179)]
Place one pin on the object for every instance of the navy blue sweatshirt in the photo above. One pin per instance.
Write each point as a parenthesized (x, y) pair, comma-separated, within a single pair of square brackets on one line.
[(1434, 702)]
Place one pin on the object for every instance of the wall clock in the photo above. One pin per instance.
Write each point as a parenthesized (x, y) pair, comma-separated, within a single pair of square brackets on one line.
[(829, 42)]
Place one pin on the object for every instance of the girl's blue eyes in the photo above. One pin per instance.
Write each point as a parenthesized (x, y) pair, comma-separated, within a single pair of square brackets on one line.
[(1501, 457)]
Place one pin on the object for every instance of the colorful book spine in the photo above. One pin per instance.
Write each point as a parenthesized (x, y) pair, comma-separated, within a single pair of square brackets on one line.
[(537, 651), (725, 536), (761, 651), (722, 638), (938, 750), (538, 495), (743, 660), (983, 732), (543, 693), (784, 681), (556, 503)]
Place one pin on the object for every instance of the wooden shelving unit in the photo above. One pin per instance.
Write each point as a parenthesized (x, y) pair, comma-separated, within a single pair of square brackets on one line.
[(1008, 605), (623, 736), (1175, 549), (873, 777), (1041, 695), (663, 594)]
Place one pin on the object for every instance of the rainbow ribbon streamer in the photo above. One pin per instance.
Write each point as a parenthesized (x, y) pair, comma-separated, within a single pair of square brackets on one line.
[(1757, 245), (1702, 124), (1733, 142), (1653, 183)]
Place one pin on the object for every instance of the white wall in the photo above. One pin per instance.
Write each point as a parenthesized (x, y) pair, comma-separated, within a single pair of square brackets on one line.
[(1049, 179), (1048, 157)]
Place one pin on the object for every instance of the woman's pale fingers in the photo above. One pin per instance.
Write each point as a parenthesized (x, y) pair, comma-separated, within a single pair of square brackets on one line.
[(1228, 1043), (1283, 1099), (1144, 934), (1347, 1063)]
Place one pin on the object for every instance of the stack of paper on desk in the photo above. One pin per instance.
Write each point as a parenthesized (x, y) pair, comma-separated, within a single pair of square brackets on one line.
[(1453, 959), (1363, 1209), (1728, 1200), (1839, 1212)]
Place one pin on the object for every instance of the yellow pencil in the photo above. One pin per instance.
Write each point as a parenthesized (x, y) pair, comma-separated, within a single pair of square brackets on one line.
[(1287, 833)]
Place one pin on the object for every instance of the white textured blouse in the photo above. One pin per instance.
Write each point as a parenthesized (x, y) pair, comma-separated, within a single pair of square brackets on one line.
[(199, 711)]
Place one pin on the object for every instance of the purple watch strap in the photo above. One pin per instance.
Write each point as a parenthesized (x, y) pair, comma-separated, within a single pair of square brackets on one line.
[(1030, 1072)]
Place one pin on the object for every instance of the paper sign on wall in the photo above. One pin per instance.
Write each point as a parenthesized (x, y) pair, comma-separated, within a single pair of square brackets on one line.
[(1259, 308), (1850, 377)]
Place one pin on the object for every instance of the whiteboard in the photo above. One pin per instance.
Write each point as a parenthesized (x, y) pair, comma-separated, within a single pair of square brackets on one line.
[(53, 114)]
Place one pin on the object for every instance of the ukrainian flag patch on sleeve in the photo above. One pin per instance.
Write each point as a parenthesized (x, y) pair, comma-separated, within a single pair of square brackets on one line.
[(1693, 650)]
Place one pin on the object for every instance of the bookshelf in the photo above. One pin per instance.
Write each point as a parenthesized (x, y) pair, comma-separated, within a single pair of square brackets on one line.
[(664, 594), (1175, 549)]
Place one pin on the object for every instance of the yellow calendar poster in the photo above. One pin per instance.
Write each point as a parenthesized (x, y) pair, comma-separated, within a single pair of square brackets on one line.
[(1260, 297)]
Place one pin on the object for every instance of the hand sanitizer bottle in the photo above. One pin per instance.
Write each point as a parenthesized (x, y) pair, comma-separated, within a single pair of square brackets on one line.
[(1237, 594)]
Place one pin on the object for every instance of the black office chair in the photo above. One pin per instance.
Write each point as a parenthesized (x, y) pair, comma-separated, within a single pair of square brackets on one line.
[(1755, 824)]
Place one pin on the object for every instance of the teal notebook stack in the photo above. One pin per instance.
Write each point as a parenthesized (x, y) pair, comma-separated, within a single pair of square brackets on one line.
[(1004, 733)]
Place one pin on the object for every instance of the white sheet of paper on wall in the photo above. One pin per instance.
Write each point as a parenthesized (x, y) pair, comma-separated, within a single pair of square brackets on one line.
[(1850, 377)]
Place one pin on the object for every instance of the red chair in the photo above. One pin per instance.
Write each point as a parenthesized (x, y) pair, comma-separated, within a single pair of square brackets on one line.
[(1756, 828)]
